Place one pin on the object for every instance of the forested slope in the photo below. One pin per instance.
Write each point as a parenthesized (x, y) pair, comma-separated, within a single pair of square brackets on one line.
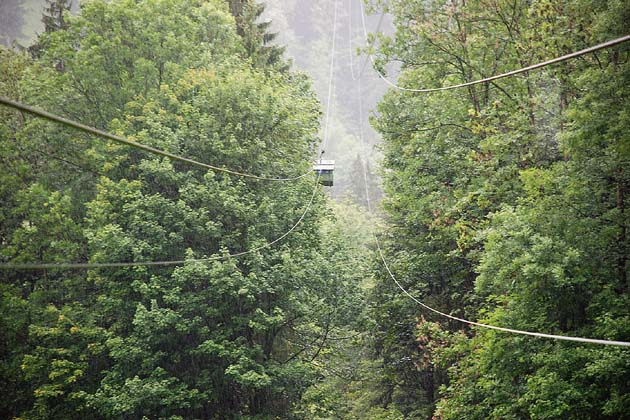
[(302, 30), (218, 338), (506, 204)]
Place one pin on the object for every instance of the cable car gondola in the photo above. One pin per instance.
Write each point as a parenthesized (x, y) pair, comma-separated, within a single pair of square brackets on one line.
[(324, 169)]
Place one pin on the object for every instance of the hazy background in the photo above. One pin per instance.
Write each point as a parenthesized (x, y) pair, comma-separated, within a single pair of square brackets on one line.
[(305, 28)]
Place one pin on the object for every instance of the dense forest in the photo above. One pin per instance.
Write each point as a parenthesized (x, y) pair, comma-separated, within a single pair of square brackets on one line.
[(137, 286)]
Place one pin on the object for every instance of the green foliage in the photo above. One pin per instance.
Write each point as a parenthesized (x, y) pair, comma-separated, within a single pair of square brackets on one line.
[(508, 204), (255, 34), (61, 363), (227, 338)]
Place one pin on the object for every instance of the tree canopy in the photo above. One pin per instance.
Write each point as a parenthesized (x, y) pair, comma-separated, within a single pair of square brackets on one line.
[(506, 204), (228, 338)]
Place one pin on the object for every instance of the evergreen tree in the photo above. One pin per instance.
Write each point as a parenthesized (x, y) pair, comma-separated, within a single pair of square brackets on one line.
[(256, 36), (54, 19)]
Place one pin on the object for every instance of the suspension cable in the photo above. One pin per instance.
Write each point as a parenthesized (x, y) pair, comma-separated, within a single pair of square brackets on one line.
[(68, 266), (556, 60), (509, 330), (330, 77), (425, 306), (122, 140), (369, 44)]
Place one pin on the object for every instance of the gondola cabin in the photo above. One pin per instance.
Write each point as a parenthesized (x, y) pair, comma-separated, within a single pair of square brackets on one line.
[(324, 169)]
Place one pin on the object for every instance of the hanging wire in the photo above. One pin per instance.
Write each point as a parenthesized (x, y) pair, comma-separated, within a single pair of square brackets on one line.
[(122, 140), (330, 77), (560, 59), (66, 266), (425, 306), (369, 44), (492, 327), (63, 266)]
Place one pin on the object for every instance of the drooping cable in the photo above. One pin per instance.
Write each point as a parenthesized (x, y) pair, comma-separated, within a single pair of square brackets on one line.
[(509, 330), (425, 306), (556, 60), (122, 140), (68, 266), (350, 35), (64, 266), (492, 86)]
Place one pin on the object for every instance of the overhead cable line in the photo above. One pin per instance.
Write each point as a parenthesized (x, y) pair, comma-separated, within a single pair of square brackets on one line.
[(122, 140), (68, 266), (330, 77), (493, 327), (65, 266), (427, 307), (369, 44), (493, 86), (560, 59)]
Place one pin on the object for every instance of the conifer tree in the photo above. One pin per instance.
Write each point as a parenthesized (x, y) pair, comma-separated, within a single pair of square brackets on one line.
[(54, 12), (54, 20), (256, 38)]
